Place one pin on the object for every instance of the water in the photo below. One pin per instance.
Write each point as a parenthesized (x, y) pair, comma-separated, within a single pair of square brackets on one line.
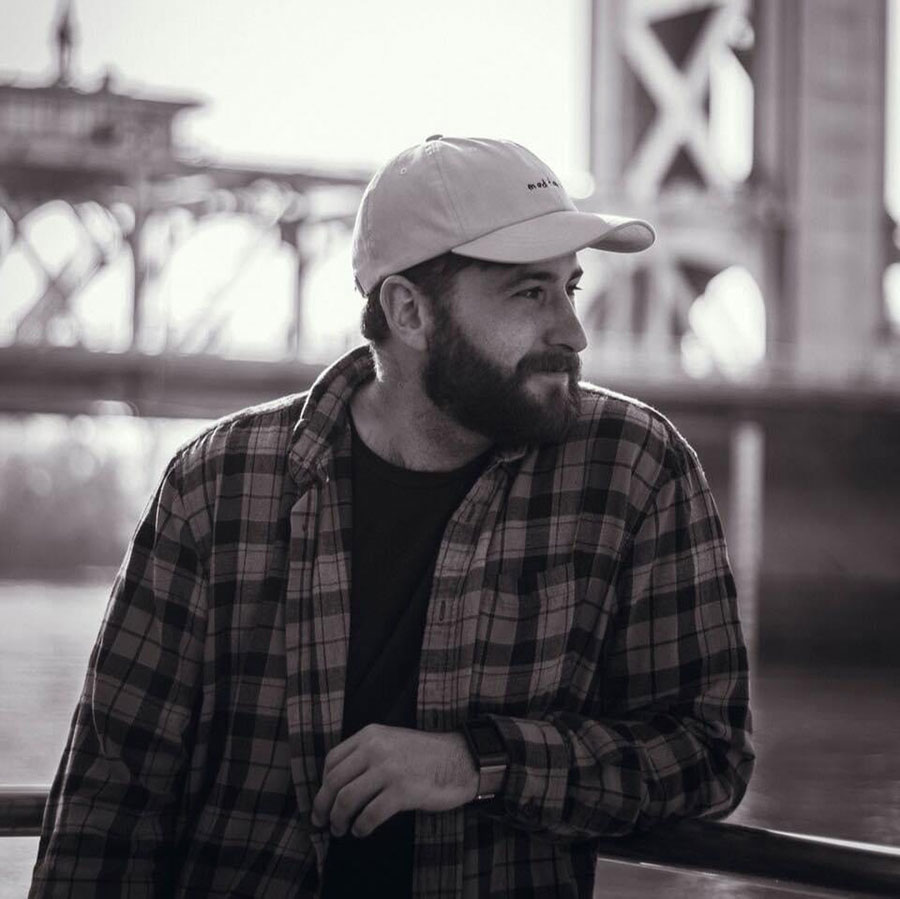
[(826, 740)]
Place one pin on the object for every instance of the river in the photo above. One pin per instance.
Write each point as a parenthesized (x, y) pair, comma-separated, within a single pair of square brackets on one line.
[(828, 741)]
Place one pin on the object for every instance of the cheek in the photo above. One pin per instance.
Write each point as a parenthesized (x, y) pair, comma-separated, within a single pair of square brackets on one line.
[(506, 352), (506, 341), (501, 332)]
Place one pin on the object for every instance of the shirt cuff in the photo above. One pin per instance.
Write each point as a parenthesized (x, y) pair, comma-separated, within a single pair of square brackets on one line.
[(537, 777)]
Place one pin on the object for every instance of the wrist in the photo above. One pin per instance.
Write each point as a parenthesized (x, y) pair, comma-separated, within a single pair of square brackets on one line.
[(457, 773)]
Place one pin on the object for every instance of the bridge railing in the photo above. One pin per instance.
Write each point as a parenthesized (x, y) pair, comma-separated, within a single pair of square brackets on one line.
[(789, 861)]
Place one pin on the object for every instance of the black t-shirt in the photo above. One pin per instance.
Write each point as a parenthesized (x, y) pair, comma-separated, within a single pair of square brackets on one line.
[(399, 517)]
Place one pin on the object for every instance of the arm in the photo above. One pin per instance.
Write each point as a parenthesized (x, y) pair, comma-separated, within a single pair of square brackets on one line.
[(111, 817), (670, 737)]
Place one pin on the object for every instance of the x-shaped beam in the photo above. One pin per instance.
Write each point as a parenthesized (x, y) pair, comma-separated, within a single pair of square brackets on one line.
[(60, 287), (679, 94)]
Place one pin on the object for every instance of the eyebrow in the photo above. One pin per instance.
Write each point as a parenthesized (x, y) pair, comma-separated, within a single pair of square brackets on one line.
[(538, 275)]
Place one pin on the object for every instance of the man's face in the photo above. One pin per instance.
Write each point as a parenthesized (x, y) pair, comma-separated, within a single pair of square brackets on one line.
[(503, 351)]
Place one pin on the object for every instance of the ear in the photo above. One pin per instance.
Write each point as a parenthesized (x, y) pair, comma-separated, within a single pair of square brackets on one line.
[(406, 309)]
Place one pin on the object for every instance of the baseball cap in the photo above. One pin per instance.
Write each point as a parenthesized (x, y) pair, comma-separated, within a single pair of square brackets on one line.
[(487, 199)]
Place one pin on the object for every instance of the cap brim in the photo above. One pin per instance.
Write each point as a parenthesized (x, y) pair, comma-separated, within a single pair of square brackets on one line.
[(558, 233)]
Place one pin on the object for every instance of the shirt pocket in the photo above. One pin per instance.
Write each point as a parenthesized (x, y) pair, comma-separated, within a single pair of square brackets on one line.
[(523, 632)]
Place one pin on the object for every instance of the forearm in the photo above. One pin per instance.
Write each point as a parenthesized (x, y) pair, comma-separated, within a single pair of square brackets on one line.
[(573, 777), (108, 828), (110, 821), (655, 742)]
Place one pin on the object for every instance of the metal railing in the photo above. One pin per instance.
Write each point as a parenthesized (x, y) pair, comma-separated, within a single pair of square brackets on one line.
[(789, 861)]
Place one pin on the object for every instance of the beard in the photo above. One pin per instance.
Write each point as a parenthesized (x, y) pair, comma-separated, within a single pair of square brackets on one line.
[(484, 397)]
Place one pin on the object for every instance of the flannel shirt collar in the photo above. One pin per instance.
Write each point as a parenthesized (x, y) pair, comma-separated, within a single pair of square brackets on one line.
[(324, 416)]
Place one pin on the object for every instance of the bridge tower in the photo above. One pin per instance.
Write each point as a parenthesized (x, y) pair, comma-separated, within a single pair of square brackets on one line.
[(798, 206), (806, 217)]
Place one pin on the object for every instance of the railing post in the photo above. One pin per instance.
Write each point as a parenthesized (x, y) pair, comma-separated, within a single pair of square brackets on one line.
[(745, 523)]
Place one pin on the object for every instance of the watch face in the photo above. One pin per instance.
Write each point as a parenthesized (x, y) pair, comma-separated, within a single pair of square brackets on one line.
[(486, 740)]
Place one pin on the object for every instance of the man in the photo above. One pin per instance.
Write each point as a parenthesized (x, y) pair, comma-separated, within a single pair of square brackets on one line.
[(432, 627)]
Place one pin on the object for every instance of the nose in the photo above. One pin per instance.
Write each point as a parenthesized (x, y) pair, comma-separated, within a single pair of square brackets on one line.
[(566, 330)]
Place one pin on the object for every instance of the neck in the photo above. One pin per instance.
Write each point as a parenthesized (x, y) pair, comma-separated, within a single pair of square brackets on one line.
[(399, 422)]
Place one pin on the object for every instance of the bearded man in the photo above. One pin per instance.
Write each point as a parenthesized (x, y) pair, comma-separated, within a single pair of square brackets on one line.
[(431, 628)]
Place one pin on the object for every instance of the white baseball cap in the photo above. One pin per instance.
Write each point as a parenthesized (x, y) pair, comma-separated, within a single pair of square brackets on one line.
[(482, 198)]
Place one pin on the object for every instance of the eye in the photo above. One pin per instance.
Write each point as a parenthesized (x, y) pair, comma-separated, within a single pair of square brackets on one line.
[(531, 293)]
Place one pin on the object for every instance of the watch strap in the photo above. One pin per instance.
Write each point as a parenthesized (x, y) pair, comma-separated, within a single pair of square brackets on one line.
[(489, 754)]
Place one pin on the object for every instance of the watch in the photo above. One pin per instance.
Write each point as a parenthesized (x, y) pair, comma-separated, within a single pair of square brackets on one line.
[(489, 753)]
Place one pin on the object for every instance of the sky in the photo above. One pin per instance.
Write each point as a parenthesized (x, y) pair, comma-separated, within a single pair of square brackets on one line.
[(345, 83), (341, 81)]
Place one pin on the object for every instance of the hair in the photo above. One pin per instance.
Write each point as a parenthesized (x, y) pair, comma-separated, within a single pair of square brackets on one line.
[(434, 277)]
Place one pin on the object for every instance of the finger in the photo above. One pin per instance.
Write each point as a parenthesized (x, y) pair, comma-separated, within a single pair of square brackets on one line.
[(335, 777), (382, 806), (352, 798), (338, 753)]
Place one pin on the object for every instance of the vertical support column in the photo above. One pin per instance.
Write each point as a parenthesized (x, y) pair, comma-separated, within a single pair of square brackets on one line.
[(609, 110), (297, 330), (820, 140), (136, 243), (746, 523), (294, 235)]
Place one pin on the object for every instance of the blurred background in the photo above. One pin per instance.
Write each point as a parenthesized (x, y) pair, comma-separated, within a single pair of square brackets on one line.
[(177, 189)]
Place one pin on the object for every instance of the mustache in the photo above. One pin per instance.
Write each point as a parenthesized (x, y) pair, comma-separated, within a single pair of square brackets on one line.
[(552, 360)]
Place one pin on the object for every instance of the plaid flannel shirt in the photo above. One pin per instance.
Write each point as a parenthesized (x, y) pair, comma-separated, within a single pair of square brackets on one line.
[(582, 598)]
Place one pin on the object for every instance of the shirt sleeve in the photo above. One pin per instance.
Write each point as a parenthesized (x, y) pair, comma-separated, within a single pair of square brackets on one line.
[(109, 825), (670, 736)]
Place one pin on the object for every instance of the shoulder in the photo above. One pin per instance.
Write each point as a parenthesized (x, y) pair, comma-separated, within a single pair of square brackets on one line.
[(254, 438), (624, 430)]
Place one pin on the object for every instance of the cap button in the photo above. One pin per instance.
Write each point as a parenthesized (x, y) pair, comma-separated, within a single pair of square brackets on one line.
[(434, 137)]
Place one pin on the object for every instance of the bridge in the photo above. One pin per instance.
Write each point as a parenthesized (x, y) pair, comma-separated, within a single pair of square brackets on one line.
[(761, 306), (798, 209)]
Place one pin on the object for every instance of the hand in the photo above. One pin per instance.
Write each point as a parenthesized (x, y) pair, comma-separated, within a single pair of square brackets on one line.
[(382, 770)]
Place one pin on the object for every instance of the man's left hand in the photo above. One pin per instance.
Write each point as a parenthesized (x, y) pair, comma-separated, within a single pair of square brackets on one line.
[(382, 770)]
